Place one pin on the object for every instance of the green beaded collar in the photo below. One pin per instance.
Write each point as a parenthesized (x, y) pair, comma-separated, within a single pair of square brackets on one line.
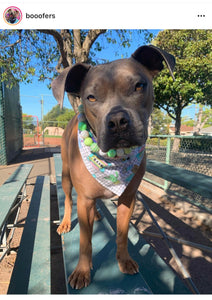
[(90, 140)]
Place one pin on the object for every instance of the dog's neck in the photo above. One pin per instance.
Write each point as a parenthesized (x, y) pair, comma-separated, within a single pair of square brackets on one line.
[(114, 169)]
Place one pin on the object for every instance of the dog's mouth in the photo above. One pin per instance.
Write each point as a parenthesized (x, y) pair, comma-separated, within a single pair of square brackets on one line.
[(119, 139), (131, 140), (122, 143)]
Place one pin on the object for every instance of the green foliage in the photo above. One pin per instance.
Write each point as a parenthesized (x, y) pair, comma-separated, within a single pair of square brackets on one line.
[(159, 142), (30, 53), (58, 117), (193, 52), (26, 53), (28, 123), (54, 113), (206, 115), (63, 119), (160, 122), (187, 121)]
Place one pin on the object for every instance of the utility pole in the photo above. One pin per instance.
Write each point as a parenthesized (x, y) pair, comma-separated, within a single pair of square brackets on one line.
[(42, 129)]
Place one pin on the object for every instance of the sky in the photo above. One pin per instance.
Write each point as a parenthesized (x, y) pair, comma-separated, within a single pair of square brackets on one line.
[(32, 94)]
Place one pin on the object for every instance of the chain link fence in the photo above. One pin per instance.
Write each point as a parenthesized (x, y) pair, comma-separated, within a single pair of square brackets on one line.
[(39, 134), (192, 153), (11, 139)]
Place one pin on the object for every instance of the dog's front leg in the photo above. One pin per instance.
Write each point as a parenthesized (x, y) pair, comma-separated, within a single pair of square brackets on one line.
[(124, 212), (81, 275)]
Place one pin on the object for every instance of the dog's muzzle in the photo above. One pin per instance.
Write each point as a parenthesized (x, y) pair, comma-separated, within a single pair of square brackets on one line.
[(118, 130), (118, 122)]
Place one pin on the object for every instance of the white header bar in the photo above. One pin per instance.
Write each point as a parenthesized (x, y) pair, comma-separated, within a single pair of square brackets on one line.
[(110, 14)]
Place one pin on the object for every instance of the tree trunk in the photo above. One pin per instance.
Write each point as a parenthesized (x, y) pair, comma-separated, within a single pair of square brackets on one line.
[(200, 123), (74, 101), (80, 53), (150, 125), (73, 49), (178, 120), (176, 144)]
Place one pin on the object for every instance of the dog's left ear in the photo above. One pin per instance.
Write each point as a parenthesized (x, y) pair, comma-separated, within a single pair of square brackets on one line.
[(69, 80), (152, 58)]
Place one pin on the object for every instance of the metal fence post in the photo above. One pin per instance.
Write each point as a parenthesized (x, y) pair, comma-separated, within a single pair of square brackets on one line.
[(168, 153)]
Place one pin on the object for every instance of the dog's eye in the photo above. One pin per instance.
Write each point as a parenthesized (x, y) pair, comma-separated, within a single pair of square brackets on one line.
[(139, 87), (91, 98)]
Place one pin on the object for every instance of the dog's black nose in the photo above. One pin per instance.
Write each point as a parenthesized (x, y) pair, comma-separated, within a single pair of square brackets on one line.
[(118, 121)]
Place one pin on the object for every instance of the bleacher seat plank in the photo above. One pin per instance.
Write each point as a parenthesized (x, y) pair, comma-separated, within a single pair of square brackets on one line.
[(31, 274), (193, 181), (10, 190), (154, 276), (157, 274), (106, 277)]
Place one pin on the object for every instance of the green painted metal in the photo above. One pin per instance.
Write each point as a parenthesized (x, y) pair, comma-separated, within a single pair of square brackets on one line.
[(155, 183), (154, 276), (168, 152), (193, 181), (3, 157), (158, 275), (10, 190), (32, 270), (11, 138), (193, 153), (196, 137), (106, 277)]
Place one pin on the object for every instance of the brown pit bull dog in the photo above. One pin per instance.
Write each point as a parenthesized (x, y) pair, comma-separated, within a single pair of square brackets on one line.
[(103, 148)]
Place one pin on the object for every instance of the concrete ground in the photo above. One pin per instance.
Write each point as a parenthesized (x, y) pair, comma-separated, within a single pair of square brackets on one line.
[(176, 220)]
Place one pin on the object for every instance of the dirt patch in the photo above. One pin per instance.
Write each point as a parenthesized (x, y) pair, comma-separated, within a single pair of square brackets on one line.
[(47, 141)]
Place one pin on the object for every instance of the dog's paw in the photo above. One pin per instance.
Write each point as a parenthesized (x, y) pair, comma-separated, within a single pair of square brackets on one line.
[(79, 279), (64, 227), (128, 266)]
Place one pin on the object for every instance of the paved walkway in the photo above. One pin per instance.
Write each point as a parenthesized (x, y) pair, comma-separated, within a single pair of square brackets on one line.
[(39, 157)]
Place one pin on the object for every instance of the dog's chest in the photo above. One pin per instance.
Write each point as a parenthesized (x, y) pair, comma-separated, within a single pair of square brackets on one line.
[(114, 174)]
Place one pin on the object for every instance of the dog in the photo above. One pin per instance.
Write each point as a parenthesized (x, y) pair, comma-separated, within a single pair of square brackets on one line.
[(109, 132)]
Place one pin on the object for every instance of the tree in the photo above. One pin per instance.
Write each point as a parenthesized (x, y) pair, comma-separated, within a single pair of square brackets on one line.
[(36, 52), (188, 121), (63, 119), (50, 119), (159, 122), (203, 118), (58, 117), (193, 73), (28, 123)]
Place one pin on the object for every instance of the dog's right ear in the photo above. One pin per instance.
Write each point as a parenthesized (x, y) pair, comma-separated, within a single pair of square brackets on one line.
[(70, 80), (152, 58)]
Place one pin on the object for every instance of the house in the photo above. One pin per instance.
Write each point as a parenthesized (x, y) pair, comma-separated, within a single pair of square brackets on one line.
[(184, 130), (206, 131), (56, 131)]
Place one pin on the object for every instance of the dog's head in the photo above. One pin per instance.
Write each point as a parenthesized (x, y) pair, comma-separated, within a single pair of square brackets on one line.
[(118, 96)]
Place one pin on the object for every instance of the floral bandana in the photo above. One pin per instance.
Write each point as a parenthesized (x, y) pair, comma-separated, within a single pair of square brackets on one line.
[(113, 173)]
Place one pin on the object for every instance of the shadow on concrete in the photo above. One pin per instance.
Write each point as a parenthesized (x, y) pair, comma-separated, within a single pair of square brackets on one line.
[(35, 154)]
